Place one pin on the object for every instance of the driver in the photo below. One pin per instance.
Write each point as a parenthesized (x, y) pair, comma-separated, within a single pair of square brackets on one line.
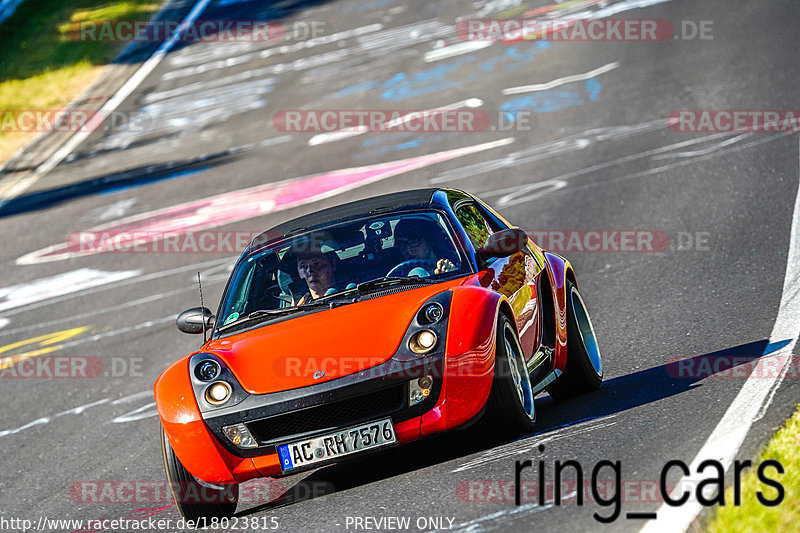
[(318, 269), (411, 238)]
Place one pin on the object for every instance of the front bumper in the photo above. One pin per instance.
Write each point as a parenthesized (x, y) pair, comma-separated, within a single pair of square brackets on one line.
[(378, 392)]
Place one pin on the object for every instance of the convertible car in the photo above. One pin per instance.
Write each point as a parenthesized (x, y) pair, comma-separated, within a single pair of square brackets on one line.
[(364, 326)]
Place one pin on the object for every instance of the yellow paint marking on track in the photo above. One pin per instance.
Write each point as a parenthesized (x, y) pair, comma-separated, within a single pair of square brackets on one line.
[(45, 344)]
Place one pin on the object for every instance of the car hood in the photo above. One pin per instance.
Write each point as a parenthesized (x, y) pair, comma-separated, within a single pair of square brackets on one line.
[(340, 341)]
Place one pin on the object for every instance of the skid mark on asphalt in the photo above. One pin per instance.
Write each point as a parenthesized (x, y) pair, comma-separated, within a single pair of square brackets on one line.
[(528, 444), (243, 204)]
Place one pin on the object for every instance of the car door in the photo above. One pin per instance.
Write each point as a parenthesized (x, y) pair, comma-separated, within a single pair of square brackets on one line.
[(514, 276)]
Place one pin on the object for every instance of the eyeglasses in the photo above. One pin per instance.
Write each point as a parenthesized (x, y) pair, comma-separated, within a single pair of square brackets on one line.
[(408, 243)]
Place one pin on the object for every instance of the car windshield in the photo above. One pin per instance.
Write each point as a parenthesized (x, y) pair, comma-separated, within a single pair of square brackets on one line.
[(339, 260)]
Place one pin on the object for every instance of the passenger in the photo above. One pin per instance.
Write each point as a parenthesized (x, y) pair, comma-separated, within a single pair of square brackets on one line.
[(411, 237)]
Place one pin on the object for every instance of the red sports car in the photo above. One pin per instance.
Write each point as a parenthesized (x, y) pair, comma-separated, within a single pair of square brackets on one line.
[(368, 325)]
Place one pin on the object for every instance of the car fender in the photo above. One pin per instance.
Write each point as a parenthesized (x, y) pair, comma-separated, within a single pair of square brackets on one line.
[(471, 342), (192, 442), (559, 270)]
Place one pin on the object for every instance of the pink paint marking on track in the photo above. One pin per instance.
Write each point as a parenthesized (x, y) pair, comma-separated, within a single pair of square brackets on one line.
[(240, 205)]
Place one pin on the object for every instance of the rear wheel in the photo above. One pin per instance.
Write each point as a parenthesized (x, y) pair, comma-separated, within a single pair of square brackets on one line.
[(584, 371), (196, 500), (510, 410)]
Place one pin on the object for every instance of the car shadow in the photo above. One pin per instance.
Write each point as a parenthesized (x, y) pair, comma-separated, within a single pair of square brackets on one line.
[(616, 395)]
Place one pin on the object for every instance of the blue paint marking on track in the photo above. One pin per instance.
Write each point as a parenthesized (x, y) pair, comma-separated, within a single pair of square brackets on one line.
[(444, 76), (405, 145), (551, 100)]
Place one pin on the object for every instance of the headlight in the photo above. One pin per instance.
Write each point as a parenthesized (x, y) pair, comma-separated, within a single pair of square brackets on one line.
[(433, 313), (218, 393), (207, 370), (422, 341)]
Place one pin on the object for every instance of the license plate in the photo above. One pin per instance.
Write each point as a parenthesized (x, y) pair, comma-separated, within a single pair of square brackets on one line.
[(338, 444)]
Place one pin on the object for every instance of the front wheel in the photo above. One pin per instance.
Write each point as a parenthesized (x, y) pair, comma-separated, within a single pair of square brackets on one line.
[(584, 371), (510, 410), (195, 500)]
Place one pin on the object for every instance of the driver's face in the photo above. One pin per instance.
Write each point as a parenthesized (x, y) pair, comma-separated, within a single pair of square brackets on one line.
[(317, 271), (413, 248)]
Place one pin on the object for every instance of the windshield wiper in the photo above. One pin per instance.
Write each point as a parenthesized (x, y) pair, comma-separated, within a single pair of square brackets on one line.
[(378, 283), (263, 313)]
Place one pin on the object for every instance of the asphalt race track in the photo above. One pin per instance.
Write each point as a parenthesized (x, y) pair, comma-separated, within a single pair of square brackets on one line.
[(596, 153)]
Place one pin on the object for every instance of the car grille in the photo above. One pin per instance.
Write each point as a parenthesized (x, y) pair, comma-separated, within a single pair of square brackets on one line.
[(329, 416)]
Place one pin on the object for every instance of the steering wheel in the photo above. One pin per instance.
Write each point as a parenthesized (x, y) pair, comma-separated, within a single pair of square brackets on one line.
[(409, 264)]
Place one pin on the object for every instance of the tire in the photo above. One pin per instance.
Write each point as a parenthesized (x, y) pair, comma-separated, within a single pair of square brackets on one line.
[(510, 410), (584, 371), (194, 500)]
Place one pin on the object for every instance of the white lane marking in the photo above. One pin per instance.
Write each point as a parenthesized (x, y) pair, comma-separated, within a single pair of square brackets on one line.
[(338, 135), (514, 199), (145, 411), (47, 419), (133, 397), (496, 520), (189, 112), (447, 52), (124, 92), (516, 448), (4, 322), (570, 144), (201, 87), (726, 439), (619, 7), (562, 81), (146, 277), (245, 58), (136, 414), (105, 310), (710, 150), (116, 210), (58, 285)]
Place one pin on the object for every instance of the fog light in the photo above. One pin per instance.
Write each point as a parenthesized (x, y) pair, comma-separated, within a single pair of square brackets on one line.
[(419, 389), (207, 370), (422, 341), (218, 393), (240, 436)]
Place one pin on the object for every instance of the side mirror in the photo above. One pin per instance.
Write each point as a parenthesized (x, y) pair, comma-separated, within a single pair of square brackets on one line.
[(504, 243), (191, 320)]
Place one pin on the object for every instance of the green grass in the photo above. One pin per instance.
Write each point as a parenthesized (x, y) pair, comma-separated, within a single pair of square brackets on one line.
[(42, 65), (751, 516)]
